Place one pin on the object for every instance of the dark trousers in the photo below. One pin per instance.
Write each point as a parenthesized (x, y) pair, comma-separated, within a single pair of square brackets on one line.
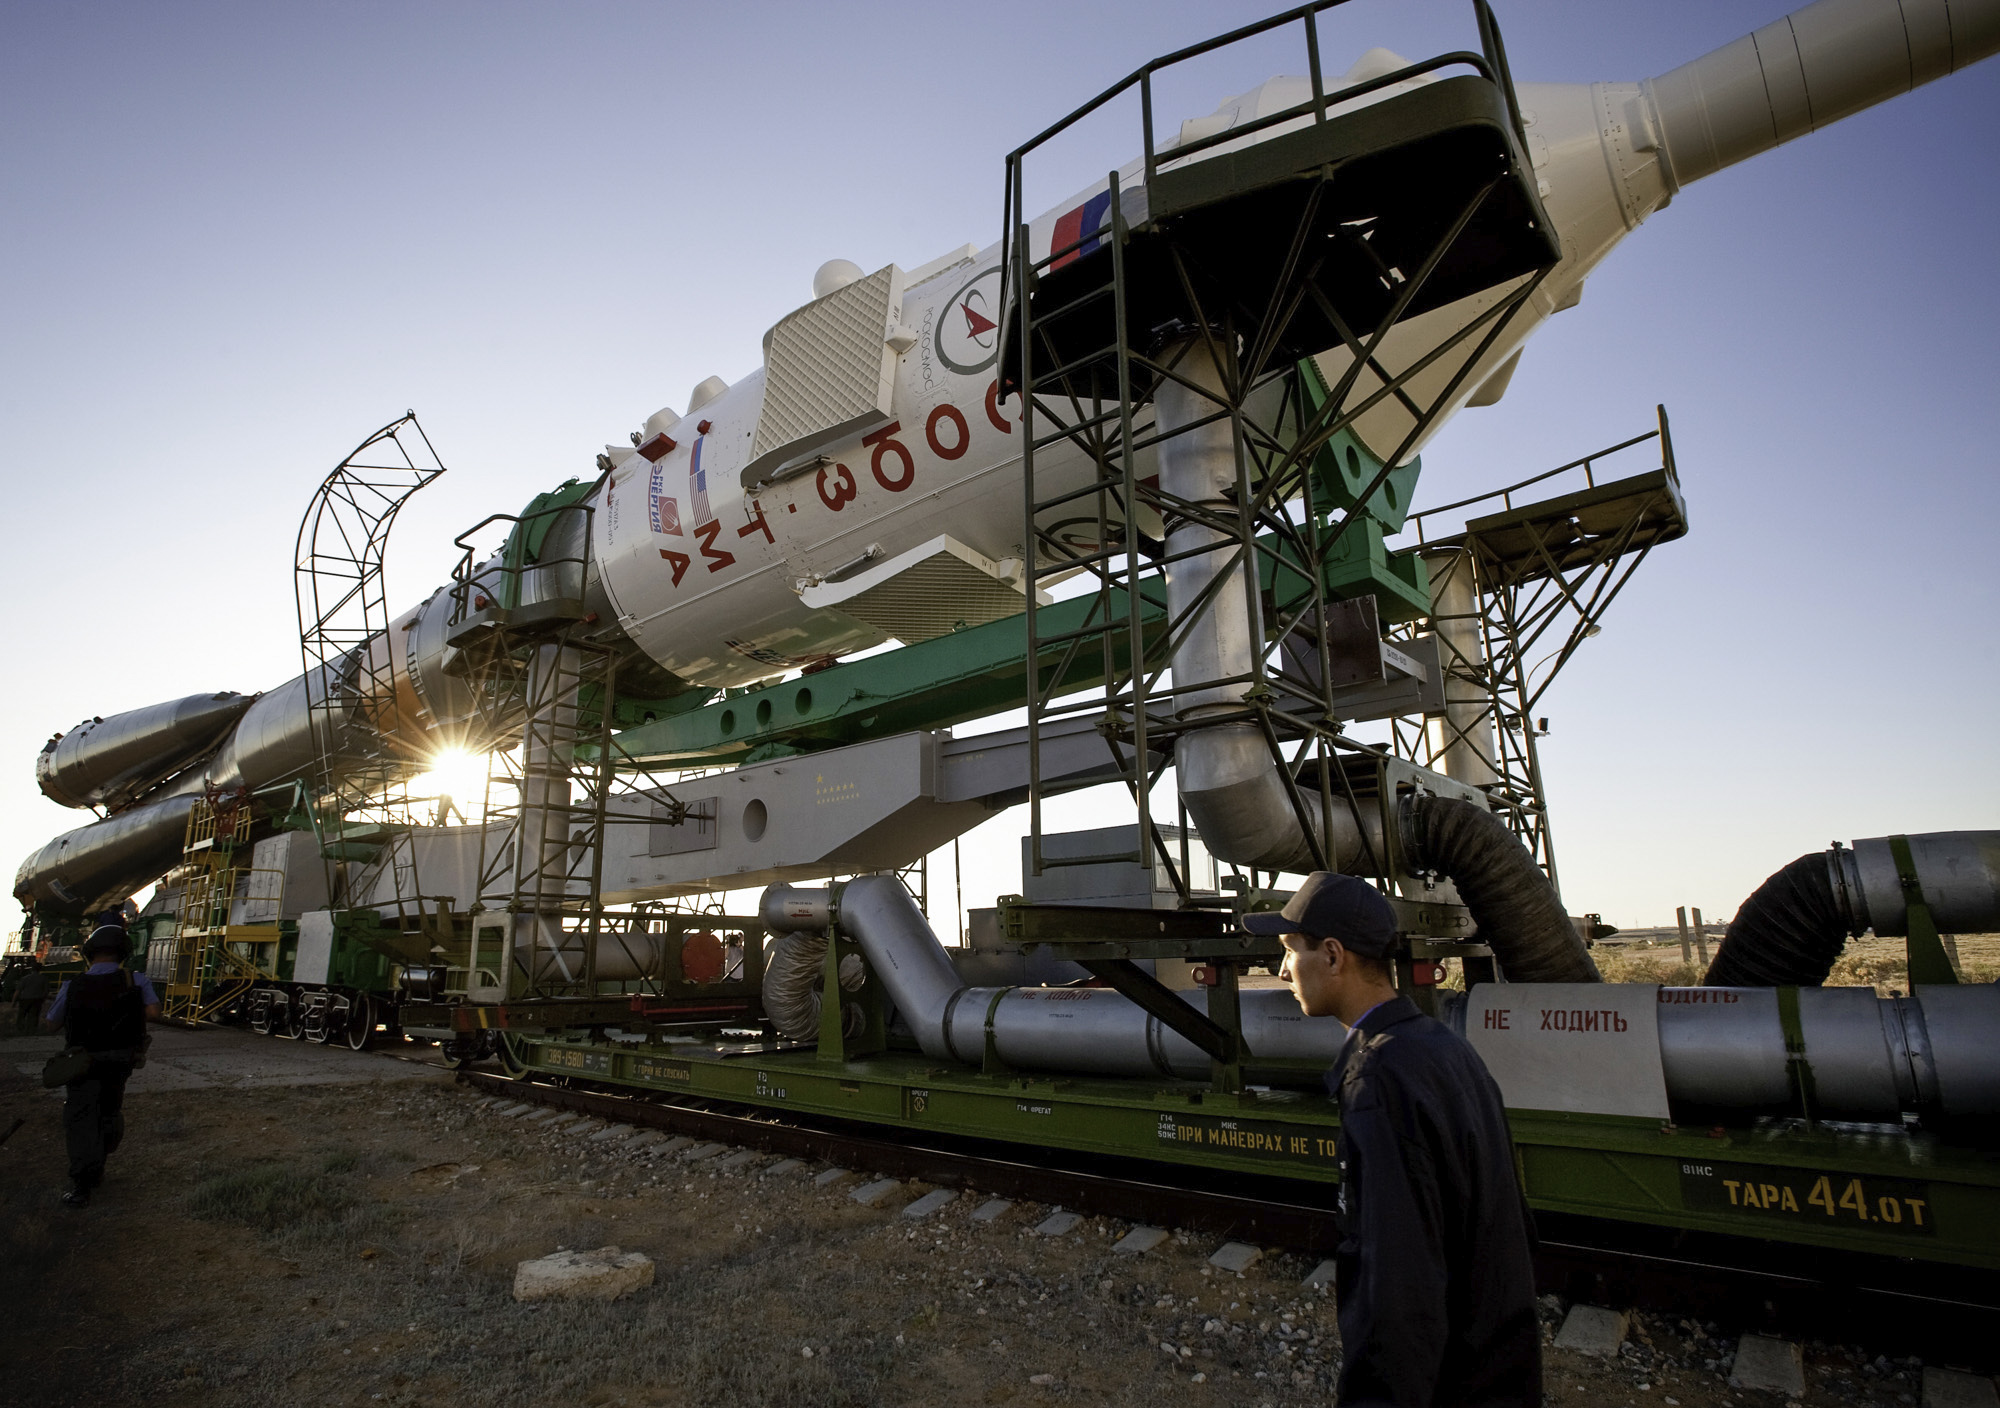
[(94, 1120), (27, 1015)]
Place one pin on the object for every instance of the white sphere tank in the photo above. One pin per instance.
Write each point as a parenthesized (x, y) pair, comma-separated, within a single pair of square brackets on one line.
[(834, 275)]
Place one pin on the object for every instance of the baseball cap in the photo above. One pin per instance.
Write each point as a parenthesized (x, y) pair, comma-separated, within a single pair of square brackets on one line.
[(107, 938), (1330, 906)]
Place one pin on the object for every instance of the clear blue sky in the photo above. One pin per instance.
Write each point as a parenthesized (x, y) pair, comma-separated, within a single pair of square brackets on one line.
[(237, 238)]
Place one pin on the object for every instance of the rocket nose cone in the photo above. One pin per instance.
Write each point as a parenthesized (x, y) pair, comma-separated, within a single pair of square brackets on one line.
[(203, 715)]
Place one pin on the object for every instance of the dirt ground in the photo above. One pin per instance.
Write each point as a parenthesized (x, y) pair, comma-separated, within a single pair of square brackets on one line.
[(355, 1243)]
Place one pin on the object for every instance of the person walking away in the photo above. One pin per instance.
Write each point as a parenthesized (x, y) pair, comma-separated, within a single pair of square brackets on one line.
[(104, 1011), (1434, 1273), (29, 994)]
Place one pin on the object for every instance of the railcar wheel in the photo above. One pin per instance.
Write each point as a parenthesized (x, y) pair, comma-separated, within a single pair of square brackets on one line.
[(294, 1025), (359, 1028), (261, 1021), (510, 1058)]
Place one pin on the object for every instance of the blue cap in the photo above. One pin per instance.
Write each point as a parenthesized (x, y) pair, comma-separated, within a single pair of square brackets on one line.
[(1340, 907)]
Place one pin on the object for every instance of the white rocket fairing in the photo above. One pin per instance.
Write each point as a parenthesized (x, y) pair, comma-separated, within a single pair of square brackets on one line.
[(769, 527)]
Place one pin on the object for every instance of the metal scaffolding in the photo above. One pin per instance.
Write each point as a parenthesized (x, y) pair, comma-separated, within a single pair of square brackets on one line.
[(1165, 297), (365, 748)]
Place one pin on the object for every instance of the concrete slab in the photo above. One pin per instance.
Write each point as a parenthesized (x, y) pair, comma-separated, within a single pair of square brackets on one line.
[(829, 1177), (784, 1168), (992, 1209), (1140, 1240), (225, 1057), (1321, 1275), (612, 1131), (644, 1140), (1058, 1224), (1947, 1388), (930, 1203), (676, 1144), (1774, 1365), (1593, 1330), (701, 1153), (869, 1194), (742, 1158), (1235, 1256)]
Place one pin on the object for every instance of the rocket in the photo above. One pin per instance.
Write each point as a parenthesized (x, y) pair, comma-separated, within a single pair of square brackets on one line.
[(864, 484)]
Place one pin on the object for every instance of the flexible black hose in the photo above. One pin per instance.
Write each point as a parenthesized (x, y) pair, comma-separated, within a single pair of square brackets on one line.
[(1517, 911), (1787, 934)]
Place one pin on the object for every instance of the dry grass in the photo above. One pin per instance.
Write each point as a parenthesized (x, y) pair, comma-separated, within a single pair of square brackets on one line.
[(1866, 962)]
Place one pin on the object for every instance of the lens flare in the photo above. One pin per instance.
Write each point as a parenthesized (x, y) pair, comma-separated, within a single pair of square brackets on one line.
[(457, 774)]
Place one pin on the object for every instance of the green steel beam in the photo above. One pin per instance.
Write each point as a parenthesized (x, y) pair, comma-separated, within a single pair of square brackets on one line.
[(966, 675)]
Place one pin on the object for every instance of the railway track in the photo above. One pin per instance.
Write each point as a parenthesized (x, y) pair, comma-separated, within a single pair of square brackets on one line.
[(1945, 1315)]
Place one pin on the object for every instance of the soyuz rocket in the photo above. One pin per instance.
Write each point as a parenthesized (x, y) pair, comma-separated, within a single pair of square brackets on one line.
[(718, 541)]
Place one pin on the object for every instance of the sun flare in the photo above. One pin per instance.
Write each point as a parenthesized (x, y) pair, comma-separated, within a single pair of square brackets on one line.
[(457, 774)]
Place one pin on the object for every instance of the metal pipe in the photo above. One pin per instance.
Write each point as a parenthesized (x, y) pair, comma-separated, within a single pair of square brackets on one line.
[(1869, 1058), (1794, 926), (1091, 1030), (1467, 746), (1227, 778), (1958, 871)]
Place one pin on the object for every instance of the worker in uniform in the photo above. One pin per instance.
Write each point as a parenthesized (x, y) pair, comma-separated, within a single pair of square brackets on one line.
[(29, 995), (1434, 1272), (104, 1011)]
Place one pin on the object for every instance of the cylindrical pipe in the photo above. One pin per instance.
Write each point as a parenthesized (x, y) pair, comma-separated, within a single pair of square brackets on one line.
[(1198, 467), (1868, 1058), (1958, 871), (1792, 928), (548, 745), (1466, 744), (1226, 775), (1091, 1030), (1857, 1057), (1811, 68)]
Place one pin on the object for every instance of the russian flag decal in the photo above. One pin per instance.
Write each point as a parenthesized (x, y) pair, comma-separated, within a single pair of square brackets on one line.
[(1084, 223)]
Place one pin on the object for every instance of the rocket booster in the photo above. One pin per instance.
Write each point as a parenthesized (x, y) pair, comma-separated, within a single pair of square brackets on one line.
[(762, 529)]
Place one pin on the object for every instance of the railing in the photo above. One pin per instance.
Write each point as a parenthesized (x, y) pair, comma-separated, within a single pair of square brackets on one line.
[(1490, 64), (470, 578), (1588, 464)]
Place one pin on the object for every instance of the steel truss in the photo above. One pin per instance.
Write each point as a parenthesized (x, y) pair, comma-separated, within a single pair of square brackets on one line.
[(1519, 589), (1089, 359), (365, 750), (540, 928)]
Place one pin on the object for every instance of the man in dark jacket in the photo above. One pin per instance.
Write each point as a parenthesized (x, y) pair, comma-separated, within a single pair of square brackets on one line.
[(1434, 1273), (104, 1011), (29, 994)]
